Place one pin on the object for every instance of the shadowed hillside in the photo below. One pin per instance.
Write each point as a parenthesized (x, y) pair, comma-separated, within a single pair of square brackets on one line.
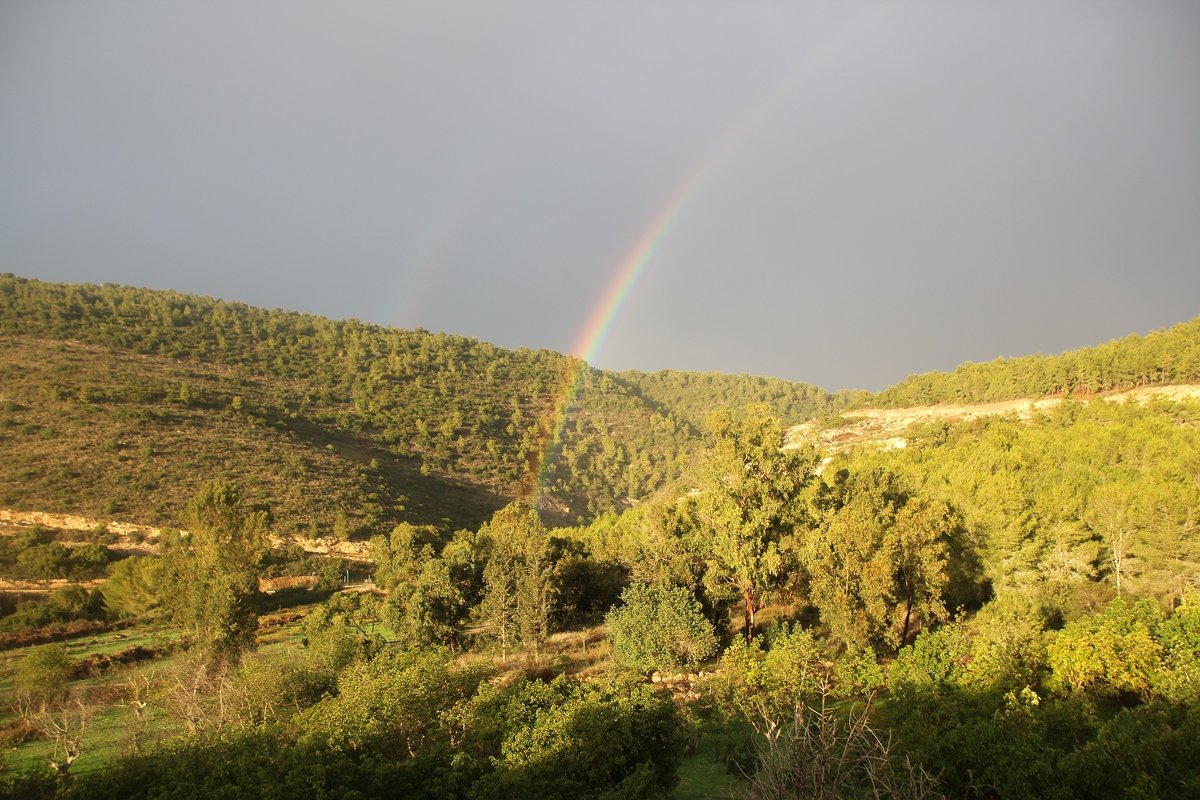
[(694, 395)]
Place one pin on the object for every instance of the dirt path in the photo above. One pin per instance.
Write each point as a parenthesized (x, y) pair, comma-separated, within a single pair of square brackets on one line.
[(135, 538), (72, 522), (42, 587), (886, 426)]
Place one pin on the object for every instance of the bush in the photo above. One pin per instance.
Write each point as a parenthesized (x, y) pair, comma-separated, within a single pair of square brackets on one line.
[(1146, 752), (1008, 646), (1178, 679), (825, 754), (1111, 654), (438, 734), (44, 561), (135, 585), (936, 660), (659, 627), (858, 673), (765, 687), (43, 675), (88, 561), (575, 740), (68, 604)]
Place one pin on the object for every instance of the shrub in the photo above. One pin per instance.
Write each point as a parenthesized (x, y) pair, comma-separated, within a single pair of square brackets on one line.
[(1179, 636), (134, 585), (1110, 654), (936, 660), (764, 688), (659, 627), (828, 754), (574, 740)]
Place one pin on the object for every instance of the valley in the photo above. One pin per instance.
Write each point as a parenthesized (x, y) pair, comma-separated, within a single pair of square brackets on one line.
[(258, 548)]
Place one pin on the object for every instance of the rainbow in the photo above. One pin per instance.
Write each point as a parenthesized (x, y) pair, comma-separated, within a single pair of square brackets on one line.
[(601, 320), (625, 277), (608, 307)]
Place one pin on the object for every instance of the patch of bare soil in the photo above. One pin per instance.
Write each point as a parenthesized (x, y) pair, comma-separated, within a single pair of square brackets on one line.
[(886, 426), (143, 539)]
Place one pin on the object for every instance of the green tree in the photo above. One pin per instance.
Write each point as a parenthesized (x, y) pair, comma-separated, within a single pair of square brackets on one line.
[(214, 572), (400, 556), (920, 533), (135, 585), (764, 686), (518, 580), (426, 604), (1112, 512), (1109, 654), (937, 661), (747, 505), (1008, 645), (536, 590), (432, 607), (878, 555), (44, 561), (577, 741), (394, 705), (45, 700), (1179, 636)]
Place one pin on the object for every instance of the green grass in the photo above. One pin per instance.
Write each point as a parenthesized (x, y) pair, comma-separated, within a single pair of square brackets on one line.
[(114, 726), (281, 637), (703, 774), (149, 634), (108, 737)]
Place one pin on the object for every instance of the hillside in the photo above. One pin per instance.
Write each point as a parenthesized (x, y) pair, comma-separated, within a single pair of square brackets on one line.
[(694, 395), (120, 401), (987, 546), (456, 425), (110, 434), (1168, 356)]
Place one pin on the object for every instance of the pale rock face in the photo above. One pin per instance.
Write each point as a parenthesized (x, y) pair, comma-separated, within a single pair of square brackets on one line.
[(884, 426)]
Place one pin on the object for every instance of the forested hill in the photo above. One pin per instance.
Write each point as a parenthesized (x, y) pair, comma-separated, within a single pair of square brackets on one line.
[(1166, 356), (1169, 356), (694, 395), (371, 425), (429, 407)]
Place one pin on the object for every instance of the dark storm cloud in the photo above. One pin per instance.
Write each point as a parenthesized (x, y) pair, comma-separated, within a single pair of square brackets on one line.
[(889, 188)]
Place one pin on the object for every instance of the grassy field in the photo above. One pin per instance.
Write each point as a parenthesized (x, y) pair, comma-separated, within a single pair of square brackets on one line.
[(704, 774), (114, 728)]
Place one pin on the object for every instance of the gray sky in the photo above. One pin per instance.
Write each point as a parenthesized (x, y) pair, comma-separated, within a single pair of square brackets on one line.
[(876, 189)]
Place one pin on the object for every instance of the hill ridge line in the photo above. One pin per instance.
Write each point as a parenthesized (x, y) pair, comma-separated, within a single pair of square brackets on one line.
[(885, 425)]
